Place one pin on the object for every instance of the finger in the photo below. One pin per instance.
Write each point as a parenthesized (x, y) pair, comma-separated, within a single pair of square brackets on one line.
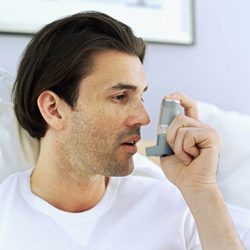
[(178, 147), (189, 144), (200, 138), (181, 121), (189, 105), (209, 138)]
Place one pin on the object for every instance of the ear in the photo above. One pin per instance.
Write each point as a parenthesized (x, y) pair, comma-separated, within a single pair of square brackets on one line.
[(52, 108)]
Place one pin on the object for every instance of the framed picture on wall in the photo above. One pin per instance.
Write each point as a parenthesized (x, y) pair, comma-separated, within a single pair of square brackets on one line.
[(160, 21)]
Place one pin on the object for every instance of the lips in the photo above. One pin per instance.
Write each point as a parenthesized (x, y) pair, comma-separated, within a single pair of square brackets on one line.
[(130, 144), (132, 140)]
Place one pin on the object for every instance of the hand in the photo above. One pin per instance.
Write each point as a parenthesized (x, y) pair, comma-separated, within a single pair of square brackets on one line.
[(193, 170), (196, 148)]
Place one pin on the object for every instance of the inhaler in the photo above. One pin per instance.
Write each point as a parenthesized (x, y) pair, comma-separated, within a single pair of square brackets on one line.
[(169, 109)]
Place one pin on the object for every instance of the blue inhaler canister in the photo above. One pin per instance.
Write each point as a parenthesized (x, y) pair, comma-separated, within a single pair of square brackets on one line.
[(169, 109)]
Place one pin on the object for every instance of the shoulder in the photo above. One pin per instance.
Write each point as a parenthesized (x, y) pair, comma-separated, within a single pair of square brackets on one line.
[(143, 183), (153, 191), (158, 202)]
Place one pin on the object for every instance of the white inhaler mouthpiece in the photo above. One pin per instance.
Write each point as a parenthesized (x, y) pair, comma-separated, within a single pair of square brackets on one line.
[(169, 109)]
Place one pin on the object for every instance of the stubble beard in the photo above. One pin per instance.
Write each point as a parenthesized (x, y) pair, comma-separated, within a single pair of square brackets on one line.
[(111, 163), (94, 152), (98, 159)]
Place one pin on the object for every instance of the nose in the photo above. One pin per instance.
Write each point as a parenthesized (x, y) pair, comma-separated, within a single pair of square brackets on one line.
[(139, 116)]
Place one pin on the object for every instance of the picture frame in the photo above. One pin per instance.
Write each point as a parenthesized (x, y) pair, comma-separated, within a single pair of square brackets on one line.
[(159, 21)]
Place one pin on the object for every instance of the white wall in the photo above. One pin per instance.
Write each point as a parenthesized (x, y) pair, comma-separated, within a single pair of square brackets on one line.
[(215, 69)]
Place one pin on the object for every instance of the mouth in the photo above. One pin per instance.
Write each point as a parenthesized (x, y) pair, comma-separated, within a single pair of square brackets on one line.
[(130, 144)]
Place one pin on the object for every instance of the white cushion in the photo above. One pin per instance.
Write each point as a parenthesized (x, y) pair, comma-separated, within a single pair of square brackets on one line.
[(19, 151), (234, 168)]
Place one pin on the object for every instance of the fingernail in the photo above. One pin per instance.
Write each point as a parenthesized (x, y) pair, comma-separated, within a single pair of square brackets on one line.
[(173, 96)]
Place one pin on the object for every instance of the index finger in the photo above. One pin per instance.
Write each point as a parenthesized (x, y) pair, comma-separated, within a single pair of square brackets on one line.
[(189, 105)]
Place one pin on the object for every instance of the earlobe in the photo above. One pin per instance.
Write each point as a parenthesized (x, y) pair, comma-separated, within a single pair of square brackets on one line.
[(49, 105)]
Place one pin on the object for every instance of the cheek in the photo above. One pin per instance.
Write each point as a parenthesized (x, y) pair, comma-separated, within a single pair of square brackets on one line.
[(101, 126), (107, 121), (106, 128)]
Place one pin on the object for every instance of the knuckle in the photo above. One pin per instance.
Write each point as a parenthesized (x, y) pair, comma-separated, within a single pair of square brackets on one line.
[(189, 134), (179, 119), (214, 135), (214, 132), (188, 139), (178, 143), (178, 150)]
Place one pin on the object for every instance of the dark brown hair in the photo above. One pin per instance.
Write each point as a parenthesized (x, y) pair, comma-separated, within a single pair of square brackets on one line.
[(60, 55)]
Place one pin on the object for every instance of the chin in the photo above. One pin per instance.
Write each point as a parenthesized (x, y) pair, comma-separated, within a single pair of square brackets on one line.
[(128, 169), (124, 169), (126, 173)]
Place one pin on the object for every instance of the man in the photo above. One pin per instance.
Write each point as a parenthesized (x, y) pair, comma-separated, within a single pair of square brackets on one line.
[(79, 90)]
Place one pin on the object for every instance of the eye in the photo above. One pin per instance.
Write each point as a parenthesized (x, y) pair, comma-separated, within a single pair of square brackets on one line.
[(120, 98)]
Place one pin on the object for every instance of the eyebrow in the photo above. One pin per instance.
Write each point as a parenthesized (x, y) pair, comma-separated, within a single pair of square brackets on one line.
[(122, 86)]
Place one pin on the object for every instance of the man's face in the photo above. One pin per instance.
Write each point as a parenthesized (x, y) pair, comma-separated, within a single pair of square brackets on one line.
[(105, 125)]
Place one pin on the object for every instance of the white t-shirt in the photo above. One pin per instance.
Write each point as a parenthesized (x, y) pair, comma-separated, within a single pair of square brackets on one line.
[(134, 213)]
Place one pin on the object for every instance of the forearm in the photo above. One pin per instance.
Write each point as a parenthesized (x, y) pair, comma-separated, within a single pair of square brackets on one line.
[(213, 221)]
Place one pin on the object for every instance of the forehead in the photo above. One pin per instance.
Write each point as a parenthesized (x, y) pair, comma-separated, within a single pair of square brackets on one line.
[(111, 68)]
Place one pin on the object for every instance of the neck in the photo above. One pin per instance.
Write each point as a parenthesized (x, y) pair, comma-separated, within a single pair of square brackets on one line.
[(67, 190)]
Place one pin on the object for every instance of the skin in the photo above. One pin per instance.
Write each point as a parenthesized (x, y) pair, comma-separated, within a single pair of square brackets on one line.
[(83, 147), (193, 170)]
